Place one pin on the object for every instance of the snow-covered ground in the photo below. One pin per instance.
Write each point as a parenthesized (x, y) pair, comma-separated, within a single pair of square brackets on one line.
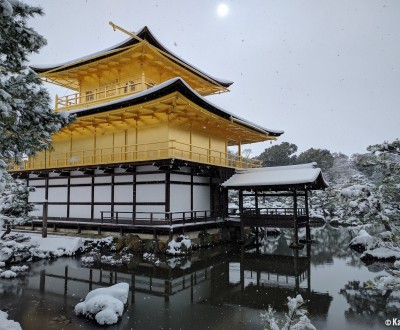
[(27, 247), (6, 324)]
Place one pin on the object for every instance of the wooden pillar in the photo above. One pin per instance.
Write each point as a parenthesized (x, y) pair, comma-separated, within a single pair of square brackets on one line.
[(45, 206), (191, 191), (240, 154), (308, 231), (296, 270), (241, 215), (112, 194), (295, 243), (68, 195), (92, 197), (256, 201), (167, 193), (134, 195)]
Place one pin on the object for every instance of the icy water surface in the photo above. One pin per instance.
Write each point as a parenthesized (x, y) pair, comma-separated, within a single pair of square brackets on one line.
[(218, 288)]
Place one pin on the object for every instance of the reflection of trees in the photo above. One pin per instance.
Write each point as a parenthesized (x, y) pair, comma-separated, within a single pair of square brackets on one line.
[(366, 302)]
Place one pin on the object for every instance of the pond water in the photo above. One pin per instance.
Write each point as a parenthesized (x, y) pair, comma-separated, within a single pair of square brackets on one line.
[(216, 288)]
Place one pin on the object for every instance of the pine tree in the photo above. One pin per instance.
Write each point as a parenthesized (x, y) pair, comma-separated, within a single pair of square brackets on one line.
[(26, 118), (14, 205)]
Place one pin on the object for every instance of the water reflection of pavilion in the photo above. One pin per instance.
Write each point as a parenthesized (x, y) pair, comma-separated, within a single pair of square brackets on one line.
[(247, 279)]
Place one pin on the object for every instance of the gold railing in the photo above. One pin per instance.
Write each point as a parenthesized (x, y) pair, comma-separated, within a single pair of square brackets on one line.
[(132, 153), (76, 100)]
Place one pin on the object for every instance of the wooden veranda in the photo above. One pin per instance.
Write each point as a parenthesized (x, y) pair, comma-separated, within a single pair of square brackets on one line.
[(284, 181)]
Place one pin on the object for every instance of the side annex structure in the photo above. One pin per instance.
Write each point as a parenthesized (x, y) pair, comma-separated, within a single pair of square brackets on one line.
[(147, 149)]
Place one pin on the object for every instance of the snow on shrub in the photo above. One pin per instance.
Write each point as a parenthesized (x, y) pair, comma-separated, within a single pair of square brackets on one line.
[(105, 304), (8, 274), (387, 252), (364, 241), (87, 260), (6, 324), (295, 319), (33, 246), (182, 245)]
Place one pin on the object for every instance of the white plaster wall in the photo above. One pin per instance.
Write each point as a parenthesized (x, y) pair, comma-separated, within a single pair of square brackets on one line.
[(80, 180), (124, 208), (180, 198), (201, 198), (102, 179), (80, 194), (201, 179), (146, 168), (150, 177), (123, 194), (149, 208), (37, 195), (180, 177), (58, 194), (98, 208), (102, 194), (79, 211), (150, 193), (57, 211), (123, 178), (57, 182), (34, 183)]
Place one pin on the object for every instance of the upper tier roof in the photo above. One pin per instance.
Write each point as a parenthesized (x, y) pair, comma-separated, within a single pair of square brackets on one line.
[(168, 87), (144, 34)]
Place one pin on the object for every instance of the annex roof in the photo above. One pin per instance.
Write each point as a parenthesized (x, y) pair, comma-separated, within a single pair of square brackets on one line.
[(303, 177), (144, 34), (168, 87)]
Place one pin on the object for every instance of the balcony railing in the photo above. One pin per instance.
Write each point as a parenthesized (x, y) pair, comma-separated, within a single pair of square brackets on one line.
[(136, 152), (106, 93)]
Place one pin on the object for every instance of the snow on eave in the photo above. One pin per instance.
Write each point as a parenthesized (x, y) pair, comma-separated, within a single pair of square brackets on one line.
[(157, 88), (303, 174), (125, 43)]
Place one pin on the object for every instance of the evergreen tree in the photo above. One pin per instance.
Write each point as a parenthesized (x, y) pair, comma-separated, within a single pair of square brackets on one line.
[(14, 206), (26, 118), (322, 157), (279, 155)]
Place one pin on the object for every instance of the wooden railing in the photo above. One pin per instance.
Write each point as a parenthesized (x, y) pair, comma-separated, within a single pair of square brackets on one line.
[(76, 100), (159, 218), (136, 152), (274, 211)]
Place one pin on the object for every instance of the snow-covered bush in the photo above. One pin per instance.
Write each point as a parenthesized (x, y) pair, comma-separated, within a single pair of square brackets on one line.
[(14, 205), (364, 241), (295, 319), (106, 305), (182, 245)]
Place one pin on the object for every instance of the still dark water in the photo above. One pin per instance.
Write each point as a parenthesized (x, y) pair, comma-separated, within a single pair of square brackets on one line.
[(218, 288)]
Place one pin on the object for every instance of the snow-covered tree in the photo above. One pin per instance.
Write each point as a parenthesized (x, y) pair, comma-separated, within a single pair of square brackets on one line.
[(26, 117), (27, 120), (14, 205), (295, 319)]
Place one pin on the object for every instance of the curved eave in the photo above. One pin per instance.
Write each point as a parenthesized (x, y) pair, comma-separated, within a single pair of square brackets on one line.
[(144, 34), (166, 88)]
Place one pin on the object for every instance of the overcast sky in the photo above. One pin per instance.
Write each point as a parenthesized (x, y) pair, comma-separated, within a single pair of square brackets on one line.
[(327, 72)]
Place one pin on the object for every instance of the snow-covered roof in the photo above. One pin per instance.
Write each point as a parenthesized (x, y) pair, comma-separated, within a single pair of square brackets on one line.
[(167, 87), (308, 176), (145, 34)]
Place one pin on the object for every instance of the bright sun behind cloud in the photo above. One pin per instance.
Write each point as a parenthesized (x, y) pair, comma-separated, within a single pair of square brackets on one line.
[(222, 10)]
